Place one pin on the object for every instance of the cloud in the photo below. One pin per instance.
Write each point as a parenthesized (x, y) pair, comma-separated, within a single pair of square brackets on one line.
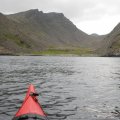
[(82, 9), (82, 12), (100, 26)]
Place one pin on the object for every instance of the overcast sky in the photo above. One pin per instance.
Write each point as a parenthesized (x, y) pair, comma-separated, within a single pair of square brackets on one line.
[(91, 16)]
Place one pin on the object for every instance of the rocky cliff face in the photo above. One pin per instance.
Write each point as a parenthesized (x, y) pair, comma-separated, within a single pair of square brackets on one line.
[(111, 43)]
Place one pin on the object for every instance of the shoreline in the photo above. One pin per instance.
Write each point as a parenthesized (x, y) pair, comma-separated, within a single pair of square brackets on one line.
[(59, 55)]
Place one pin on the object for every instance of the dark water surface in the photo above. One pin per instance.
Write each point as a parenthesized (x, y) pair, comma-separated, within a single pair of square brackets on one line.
[(70, 88)]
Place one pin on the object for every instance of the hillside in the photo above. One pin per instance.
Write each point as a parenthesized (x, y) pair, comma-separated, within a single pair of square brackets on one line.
[(50, 29), (34, 30), (12, 40), (111, 43)]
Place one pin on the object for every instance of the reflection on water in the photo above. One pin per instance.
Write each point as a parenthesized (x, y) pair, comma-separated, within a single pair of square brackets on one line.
[(70, 88)]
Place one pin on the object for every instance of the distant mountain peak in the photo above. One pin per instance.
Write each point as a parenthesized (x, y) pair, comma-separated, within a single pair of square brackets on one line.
[(94, 34), (55, 13), (33, 12), (36, 12), (27, 13)]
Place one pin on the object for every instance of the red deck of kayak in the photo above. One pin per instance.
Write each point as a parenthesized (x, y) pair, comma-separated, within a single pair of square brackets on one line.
[(30, 105)]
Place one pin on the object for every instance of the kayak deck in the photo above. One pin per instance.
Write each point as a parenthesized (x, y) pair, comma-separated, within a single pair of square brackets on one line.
[(31, 108)]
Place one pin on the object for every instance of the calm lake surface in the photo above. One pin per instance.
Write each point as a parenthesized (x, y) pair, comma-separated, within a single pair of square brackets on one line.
[(70, 88)]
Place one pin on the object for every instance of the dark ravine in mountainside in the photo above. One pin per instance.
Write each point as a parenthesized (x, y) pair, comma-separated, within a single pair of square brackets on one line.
[(111, 43), (34, 30)]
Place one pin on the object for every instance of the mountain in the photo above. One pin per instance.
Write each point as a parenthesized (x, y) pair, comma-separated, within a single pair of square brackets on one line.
[(34, 30), (94, 34), (111, 43), (12, 40), (97, 37), (50, 28)]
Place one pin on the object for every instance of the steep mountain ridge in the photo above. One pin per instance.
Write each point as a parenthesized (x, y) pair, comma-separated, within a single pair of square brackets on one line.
[(11, 38), (52, 29), (34, 30), (111, 43)]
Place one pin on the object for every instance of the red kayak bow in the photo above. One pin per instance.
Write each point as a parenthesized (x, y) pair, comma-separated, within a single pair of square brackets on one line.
[(30, 109)]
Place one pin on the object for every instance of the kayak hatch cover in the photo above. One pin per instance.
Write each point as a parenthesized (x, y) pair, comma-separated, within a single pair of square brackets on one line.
[(30, 109)]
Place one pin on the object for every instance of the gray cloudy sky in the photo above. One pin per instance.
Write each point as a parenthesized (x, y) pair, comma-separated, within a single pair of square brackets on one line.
[(91, 16)]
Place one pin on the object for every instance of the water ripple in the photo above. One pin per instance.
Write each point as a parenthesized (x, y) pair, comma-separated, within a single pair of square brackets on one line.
[(70, 87)]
